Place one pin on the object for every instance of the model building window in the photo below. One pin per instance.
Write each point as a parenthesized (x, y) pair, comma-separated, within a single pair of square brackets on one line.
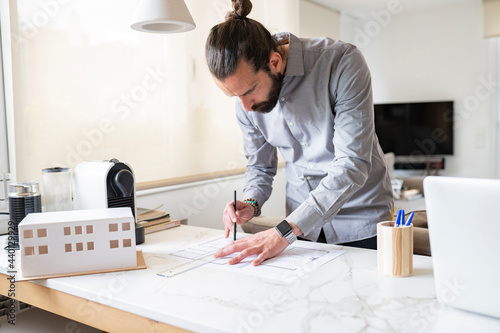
[(43, 249), (28, 233), (29, 250), (90, 229), (78, 230), (79, 246), (126, 226), (67, 231), (67, 247), (90, 246), (127, 243), (113, 244), (42, 232), (113, 227)]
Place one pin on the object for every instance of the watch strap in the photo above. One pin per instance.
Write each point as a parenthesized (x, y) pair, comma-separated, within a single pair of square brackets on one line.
[(291, 237)]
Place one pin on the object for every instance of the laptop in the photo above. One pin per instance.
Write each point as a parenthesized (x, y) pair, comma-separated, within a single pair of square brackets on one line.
[(464, 230)]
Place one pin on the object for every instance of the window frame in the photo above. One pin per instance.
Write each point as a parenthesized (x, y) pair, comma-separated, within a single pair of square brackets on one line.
[(4, 153), (496, 104), (7, 151)]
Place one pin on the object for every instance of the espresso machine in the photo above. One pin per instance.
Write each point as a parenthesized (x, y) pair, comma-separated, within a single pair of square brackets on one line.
[(105, 184)]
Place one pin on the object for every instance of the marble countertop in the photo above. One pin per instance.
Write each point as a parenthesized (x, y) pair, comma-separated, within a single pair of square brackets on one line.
[(344, 295)]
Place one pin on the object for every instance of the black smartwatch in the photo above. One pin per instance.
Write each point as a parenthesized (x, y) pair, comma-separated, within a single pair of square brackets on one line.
[(286, 231)]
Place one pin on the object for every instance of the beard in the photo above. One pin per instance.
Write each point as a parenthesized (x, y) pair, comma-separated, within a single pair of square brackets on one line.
[(274, 94)]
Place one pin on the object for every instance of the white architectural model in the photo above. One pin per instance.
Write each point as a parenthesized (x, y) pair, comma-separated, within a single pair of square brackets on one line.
[(77, 241)]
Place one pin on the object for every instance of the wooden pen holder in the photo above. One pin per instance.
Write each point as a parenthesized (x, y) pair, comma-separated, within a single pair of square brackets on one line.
[(394, 249)]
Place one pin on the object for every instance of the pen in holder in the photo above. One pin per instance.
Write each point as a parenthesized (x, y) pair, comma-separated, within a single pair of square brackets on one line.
[(394, 249)]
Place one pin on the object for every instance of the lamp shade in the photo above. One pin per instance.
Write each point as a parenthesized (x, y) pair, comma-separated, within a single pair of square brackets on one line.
[(491, 18), (162, 16)]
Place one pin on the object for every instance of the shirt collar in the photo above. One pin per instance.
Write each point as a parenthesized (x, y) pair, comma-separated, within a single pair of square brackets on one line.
[(295, 62)]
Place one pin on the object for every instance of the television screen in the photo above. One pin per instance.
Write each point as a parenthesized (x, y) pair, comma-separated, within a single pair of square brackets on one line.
[(410, 129)]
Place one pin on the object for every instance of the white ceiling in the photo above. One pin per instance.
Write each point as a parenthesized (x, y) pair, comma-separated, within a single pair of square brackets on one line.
[(363, 6)]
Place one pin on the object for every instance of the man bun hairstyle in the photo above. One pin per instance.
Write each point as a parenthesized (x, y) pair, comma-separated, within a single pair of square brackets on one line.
[(241, 9), (238, 38)]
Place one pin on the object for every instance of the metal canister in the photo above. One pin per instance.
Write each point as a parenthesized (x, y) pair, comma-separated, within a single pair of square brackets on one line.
[(24, 198)]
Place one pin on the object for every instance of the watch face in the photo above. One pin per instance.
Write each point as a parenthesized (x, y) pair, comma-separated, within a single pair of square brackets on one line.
[(284, 228)]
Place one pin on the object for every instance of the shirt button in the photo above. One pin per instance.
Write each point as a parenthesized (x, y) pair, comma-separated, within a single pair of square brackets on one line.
[(282, 99), (311, 166), (308, 177), (304, 144), (291, 123)]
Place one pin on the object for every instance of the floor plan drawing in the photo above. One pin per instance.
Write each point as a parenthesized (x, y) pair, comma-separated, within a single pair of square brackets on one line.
[(295, 257)]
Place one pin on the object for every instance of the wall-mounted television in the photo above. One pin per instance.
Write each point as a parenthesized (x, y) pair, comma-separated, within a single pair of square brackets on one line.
[(411, 129)]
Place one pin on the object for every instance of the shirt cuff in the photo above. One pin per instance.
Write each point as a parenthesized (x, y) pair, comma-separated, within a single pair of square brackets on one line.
[(306, 218)]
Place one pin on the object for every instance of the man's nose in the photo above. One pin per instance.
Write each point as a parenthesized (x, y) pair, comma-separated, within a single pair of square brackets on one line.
[(247, 103)]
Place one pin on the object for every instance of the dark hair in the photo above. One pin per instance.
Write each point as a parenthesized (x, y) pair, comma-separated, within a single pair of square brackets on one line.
[(238, 38)]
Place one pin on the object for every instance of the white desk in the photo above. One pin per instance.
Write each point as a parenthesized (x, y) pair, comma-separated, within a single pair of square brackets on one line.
[(344, 295)]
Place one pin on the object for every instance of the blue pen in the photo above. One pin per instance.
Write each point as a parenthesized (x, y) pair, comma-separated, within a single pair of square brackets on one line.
[(408, 222), (400, 218)]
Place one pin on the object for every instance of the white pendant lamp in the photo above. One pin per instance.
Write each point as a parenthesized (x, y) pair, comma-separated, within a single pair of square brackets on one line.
[(491, 18), (162, 16)]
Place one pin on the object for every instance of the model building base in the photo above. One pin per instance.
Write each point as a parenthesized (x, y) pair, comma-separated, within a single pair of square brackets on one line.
[(141, 264)]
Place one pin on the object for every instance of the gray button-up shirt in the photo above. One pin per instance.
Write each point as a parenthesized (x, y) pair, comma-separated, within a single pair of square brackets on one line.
[(323, 125)]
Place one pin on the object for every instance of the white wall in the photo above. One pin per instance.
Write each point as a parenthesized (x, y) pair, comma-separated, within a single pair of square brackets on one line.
[(317, 21), (434, 54), (202, 203)]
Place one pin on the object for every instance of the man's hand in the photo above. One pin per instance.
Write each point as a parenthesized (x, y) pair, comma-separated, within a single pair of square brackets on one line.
[(265, 244), (244, 212)]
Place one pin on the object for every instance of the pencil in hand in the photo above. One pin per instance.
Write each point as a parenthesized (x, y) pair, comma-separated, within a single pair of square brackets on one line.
[(234, 224)]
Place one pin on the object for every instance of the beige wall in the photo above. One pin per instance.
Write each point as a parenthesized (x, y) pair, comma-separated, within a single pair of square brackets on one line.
[(87, 87)]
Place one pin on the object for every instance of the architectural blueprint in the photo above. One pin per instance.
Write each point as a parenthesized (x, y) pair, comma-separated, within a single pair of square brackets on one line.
[(300, 255)]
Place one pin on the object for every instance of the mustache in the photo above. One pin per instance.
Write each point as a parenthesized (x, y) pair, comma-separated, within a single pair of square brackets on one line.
[(264, 107)]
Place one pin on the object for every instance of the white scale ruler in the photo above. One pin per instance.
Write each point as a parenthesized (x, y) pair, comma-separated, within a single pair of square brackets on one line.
[(187, 266)]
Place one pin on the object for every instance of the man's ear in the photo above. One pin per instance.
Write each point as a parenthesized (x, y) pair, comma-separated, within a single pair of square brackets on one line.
[(275, 62)]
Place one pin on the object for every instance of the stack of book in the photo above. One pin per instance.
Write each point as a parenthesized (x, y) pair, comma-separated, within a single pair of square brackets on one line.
[(155, 220)]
